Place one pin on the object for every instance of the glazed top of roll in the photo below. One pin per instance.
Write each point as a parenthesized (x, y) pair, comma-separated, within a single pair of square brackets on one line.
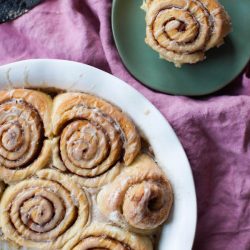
[(140, 198), (182, 30)]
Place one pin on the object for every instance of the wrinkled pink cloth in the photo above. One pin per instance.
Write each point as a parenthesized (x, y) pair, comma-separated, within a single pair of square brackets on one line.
[(214, 130)]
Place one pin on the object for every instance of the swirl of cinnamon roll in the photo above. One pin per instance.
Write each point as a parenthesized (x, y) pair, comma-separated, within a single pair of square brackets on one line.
[(24, 125), (182, 30), (92, 135), (43, 212), (140, 198), (102, 236)]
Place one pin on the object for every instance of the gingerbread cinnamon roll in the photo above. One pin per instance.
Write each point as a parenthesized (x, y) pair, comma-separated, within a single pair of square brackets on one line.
[(43, 212), (102, 236), (25, 118), (181, 31), (139, 199), (92, 138)]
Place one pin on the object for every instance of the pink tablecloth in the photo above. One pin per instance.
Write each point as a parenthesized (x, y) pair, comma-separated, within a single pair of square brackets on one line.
[(215, 130)]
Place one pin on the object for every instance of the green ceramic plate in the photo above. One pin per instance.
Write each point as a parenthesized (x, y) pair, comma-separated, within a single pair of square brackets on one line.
[(221, 66)]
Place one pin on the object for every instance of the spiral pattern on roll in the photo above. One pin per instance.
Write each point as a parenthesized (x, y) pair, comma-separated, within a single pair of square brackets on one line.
[(100, 242), (182, 30), (23, 145), (43, 212), (103, 236), (21, 134), (89, 147), (139, 198), (91, 136)]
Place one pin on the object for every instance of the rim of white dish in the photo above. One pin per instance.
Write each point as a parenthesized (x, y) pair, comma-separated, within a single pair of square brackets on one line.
[(178, 233)]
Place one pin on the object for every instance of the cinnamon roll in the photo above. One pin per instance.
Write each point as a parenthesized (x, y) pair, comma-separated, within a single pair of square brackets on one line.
[(92, 138), (139, 199), (43, 212), (181, 31), (101, 236), (104, 177), (25, 123)]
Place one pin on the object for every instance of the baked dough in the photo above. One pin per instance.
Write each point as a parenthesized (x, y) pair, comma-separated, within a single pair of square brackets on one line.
[(181, 31), (25, 122), (72, 166), (43, 212), (91, 134), (139, 199), (101, 236)]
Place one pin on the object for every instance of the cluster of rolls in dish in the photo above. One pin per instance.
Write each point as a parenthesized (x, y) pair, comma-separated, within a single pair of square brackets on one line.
[(74, 175), (181, 31)]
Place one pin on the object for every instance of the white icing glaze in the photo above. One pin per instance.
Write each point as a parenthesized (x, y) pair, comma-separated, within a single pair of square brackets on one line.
[(175, 24)]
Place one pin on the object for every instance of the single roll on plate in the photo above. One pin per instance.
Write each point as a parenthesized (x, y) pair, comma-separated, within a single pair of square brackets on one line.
[(181, 31), (103, 236), (92, 137), (25, 125), (139, 199), (43, 212)]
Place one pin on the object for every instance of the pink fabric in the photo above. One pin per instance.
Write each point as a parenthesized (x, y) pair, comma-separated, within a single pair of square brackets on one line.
[(214, 130)]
